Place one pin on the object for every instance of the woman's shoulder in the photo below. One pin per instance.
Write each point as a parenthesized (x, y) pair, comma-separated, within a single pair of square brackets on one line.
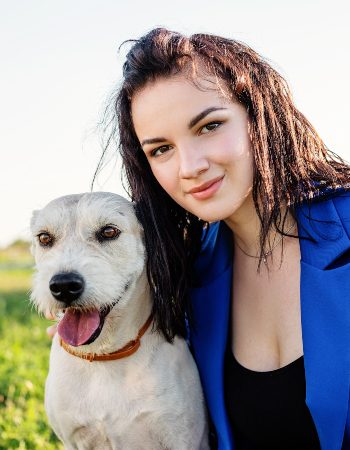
[(341, 201), (324, 226), (338, 198)]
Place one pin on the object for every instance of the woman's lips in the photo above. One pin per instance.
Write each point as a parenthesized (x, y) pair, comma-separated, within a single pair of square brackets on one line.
[(208, 191)]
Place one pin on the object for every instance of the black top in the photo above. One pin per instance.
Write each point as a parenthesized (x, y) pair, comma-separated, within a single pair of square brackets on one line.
[(267, 410)]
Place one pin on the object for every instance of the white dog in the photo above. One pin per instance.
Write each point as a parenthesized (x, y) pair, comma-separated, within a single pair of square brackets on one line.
[(90, 262)]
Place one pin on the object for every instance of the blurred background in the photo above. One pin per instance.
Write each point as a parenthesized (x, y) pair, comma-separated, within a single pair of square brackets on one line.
[(60, 64)]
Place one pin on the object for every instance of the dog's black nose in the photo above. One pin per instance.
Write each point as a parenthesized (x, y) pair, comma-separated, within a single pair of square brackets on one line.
[(67, 286)]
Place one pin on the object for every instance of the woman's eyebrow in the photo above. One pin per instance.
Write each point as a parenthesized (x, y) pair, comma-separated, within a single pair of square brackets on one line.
[(152, 141), (191, 124), (201, 115)]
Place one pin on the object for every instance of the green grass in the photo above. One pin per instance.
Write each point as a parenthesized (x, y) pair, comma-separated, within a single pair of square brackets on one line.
[(24, 358), (17, 280)]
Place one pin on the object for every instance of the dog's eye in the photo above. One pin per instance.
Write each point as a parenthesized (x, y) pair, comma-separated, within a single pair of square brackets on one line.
[(45, 239), (108, 232)]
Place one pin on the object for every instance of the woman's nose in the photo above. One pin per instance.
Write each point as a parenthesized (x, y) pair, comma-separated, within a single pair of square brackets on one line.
[(191, 163)]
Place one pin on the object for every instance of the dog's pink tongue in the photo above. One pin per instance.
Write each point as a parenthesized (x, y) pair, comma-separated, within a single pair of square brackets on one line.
[(77, 327)]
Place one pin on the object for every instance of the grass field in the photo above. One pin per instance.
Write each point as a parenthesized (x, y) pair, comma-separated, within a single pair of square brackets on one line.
[(24, 357)]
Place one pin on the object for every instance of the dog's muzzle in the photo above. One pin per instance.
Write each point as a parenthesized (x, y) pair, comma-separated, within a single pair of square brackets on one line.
[(80, 324)]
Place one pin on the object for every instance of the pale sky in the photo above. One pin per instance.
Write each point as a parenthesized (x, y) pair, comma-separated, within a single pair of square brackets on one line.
[(60, 62)]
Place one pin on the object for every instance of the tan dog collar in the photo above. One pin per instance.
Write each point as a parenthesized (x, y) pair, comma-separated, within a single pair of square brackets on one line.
[(128, 349)]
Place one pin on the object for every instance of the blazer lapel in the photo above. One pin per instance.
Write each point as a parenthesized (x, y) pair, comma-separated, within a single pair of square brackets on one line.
[(325, 317), (211, 311)]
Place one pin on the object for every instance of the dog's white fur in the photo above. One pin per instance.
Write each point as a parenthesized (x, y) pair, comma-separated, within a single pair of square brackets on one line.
[(150, 400)]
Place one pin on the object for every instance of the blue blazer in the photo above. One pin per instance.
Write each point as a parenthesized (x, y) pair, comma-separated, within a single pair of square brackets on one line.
[(325, 317)]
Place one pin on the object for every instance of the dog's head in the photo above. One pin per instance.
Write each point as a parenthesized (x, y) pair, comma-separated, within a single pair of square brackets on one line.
[(89, 252)]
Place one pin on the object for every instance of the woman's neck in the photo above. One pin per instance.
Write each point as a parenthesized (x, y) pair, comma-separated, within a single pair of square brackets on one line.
[(245, 225)]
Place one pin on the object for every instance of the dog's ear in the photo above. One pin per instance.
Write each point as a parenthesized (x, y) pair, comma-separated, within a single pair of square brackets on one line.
[(32, 224), (33, 218)]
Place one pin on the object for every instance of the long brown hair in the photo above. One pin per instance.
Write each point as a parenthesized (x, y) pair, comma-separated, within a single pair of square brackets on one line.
[(291, 162)]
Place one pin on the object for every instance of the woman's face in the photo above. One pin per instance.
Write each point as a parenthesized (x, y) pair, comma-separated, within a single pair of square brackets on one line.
[(197, 145)]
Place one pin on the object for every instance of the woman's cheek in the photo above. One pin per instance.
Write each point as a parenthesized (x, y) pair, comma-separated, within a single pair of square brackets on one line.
[(166, 179), (234, 149)]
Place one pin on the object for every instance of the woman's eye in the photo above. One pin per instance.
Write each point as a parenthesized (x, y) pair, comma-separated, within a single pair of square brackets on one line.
[(108, 232), (160, 150), (210, 127), (45, 239)]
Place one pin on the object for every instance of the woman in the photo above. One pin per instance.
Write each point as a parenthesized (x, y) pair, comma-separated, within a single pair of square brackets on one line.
[(247, 224), (209, 134)]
